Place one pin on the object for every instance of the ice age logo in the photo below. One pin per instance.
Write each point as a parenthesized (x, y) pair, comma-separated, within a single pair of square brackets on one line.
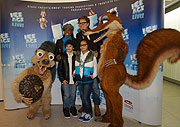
[(138, 8), (126, 35), (5, 40), (149, 29), (31, 41), (133, 65), (17, 19), (19, 61)]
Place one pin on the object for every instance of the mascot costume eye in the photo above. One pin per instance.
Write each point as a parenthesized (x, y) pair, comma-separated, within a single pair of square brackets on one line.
[(33, 85)]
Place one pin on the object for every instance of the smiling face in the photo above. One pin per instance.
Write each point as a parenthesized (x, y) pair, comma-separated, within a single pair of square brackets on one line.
[(43, 60), (83, 46), (67, 32), (83, 25), (69, 48)]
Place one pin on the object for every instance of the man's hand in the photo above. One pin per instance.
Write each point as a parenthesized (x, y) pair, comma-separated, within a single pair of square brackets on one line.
[(95, 54)]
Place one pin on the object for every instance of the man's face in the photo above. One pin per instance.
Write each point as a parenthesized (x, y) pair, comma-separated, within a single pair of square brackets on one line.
[(83, 25), (67, 32)]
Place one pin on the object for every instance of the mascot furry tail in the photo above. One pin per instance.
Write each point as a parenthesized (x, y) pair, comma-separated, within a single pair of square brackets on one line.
[(153, 49)]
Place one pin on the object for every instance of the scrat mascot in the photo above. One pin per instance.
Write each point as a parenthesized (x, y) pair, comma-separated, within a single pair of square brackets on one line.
[(153, 49), (44, 68)]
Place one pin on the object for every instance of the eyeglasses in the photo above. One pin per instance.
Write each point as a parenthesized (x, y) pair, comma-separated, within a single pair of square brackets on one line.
[(82, 23), (83, 45)]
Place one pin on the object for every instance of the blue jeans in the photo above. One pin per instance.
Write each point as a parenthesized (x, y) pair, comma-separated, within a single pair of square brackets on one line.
[(96, 92), (68, 95), (85, 91)]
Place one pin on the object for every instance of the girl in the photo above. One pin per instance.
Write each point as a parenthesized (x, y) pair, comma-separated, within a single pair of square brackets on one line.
[(86, 71)]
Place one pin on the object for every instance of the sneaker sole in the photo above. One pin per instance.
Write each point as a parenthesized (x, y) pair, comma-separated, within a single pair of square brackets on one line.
[(73, 115), (87, 121), (67, 117)]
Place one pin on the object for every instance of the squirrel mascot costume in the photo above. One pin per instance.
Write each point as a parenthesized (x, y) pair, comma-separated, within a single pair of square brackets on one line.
[(33, 85), (152, 50)]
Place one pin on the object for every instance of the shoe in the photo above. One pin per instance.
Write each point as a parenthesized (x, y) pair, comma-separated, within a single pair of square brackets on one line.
[(80, 110), (66, 113), (82, 116), (73, 111), (97, 110), (87, 117)]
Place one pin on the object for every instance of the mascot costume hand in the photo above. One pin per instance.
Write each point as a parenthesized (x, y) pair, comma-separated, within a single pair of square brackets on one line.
[(153, 49), (33, 85)]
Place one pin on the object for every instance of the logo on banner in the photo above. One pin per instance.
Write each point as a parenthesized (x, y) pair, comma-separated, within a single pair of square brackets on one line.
[(149, 29), (133, 65), (17, 19), (128, 105), (31, 41), (5, 40), (138, 10), (126, 35), (19, 61)]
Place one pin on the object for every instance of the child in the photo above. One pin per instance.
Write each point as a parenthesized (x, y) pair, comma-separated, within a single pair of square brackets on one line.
[(66, 68), (86, 71)]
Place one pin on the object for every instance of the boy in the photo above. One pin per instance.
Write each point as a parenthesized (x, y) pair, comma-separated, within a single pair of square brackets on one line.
[(66, 68)]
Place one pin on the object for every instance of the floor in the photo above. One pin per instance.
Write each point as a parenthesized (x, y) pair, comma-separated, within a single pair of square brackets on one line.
[(170, 114)]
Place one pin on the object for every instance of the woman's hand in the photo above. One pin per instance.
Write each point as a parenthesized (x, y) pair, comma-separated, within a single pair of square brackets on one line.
[(58, 57)]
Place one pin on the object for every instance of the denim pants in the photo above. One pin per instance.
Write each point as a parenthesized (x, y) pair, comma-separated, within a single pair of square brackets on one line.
[(68, 95), (85, 91), (96, 92)]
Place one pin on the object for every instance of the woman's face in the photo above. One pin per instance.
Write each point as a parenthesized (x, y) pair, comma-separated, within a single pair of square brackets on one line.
[(83, 46), (67, 32)]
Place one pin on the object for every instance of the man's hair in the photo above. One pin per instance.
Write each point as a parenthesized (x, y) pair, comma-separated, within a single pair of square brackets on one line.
[(85, 18)]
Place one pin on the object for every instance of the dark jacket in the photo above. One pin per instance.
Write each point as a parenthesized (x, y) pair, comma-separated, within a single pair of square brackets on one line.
[(63, 67), (93, 46), (59, 46)]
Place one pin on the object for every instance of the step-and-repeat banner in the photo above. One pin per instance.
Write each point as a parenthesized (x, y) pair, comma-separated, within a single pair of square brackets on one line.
[(25, 25)]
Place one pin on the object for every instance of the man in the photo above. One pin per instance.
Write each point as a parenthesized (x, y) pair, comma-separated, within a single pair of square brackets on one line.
[(84, 23)]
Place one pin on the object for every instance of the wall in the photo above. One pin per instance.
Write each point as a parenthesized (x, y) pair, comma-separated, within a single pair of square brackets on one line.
[(172, 20)]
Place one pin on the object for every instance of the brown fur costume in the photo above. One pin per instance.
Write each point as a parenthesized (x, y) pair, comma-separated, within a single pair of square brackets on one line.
[(42, 60), (153, 49)]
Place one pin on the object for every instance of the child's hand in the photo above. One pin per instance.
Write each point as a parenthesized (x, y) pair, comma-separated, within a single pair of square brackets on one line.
[(65, 82), (76, 83), (74, 75), (91, 76)]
